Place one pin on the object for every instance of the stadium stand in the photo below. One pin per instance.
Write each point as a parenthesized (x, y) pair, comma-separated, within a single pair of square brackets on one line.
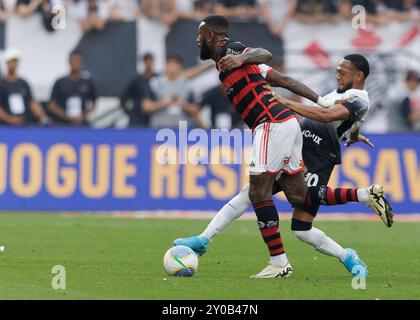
[(114, 34)]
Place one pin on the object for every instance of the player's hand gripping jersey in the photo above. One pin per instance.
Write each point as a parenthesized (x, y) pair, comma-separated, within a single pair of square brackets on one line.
[(245, 90)]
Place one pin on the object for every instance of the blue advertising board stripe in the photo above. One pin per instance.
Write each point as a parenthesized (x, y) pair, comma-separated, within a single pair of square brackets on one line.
[(88, 169)]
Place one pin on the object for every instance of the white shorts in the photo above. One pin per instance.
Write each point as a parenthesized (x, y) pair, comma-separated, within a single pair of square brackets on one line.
[(277, 148)]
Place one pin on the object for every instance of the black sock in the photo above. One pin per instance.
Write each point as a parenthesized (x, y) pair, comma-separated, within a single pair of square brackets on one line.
[(268, 222)]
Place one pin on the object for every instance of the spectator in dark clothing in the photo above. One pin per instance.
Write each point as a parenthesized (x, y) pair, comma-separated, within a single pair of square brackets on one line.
[(17, 105), (223, 116), (401, 116), (137, 91), (149, 66), (73, 96)]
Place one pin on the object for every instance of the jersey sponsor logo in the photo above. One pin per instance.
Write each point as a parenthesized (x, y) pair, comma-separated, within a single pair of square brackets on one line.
[(308, 134), (231, 51)]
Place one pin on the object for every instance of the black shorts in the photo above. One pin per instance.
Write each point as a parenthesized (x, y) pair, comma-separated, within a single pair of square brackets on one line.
[(319, 178), (316, 178)]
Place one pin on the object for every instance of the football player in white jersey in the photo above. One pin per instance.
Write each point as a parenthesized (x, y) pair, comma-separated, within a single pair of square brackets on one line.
[(323, 131)]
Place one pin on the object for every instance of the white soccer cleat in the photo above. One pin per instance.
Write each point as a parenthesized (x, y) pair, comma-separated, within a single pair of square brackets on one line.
[(274, 272), (378, 202)]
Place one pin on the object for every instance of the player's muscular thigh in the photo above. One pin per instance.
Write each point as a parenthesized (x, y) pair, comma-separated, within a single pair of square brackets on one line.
[(260, 187), (295, 188)]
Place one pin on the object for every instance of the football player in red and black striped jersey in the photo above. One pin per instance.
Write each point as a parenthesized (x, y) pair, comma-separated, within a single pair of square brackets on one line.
[(277, 145)]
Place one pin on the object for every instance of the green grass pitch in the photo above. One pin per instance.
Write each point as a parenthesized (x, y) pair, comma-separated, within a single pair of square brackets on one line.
[(119, 258)]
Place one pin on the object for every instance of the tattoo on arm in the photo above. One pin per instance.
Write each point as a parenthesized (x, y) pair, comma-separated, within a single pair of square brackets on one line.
[(257, 56)]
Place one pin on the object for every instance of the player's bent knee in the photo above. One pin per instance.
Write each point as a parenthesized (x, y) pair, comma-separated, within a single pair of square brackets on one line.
[(311, 201), (245, 189), (302, 235), (296, 200), (301, 228), (241, 202)]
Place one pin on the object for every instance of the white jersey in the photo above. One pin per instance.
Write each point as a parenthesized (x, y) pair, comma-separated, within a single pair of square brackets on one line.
[(358, 104)]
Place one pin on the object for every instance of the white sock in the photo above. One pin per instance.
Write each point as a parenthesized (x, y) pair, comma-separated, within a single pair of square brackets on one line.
[(279, 261), (230, 211), (317, 239), (363, 195)]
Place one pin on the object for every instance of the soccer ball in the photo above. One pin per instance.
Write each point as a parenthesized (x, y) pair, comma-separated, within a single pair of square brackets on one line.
[(180, 261)]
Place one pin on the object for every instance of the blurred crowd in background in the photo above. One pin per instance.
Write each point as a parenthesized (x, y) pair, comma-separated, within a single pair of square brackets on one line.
[(162, 100), (94, 14)]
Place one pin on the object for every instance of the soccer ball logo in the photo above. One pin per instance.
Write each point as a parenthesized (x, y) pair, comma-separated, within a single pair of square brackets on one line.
[(180, 261)]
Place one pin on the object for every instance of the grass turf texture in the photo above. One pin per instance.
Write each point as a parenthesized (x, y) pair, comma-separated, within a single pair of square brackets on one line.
[(117, 258)]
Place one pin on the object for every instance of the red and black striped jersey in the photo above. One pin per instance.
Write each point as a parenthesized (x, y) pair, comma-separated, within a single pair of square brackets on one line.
[(245, 89)]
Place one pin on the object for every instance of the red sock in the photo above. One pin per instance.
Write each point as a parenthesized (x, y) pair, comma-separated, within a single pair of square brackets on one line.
[(273, 240)]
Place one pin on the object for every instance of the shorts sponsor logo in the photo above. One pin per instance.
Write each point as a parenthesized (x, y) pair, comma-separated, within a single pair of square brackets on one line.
[(309, 135)]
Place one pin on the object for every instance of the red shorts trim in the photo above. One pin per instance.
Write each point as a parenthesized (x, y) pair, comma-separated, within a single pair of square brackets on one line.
[(292, 173)]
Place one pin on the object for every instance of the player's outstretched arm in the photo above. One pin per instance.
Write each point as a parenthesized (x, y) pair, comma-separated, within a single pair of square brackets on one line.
[(251, 56), (334, 113), (278, 79)]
